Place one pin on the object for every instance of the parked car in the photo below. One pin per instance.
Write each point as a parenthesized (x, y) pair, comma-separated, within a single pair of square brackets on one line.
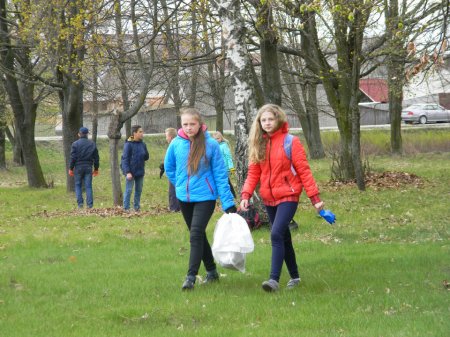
[(425, 113)]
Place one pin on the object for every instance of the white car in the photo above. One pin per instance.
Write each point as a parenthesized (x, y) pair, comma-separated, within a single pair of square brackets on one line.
[(425, 113)]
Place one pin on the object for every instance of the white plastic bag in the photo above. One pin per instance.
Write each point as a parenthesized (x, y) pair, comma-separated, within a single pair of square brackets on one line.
[(232, 241)]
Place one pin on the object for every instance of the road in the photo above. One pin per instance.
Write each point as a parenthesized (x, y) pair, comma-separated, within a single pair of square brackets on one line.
[(330, 128)]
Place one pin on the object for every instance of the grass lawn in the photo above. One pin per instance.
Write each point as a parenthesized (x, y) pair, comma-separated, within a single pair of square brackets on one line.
[(379, 271)]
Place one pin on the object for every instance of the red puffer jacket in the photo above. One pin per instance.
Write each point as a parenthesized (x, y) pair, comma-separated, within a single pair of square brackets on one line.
[(277, 181)]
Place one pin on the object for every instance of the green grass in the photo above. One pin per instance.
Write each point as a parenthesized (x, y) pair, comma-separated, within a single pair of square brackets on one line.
[(378, 272)]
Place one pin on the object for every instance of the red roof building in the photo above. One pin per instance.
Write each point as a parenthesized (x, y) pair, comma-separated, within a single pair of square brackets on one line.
[(376, 89)]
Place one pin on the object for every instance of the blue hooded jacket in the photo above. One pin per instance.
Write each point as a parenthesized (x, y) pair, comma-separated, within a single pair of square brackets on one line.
[(210, 182), (133, 157), (226, 153)]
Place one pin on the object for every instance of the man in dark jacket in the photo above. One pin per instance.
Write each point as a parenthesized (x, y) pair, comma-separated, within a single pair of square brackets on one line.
[(134, 156), (83, 156)]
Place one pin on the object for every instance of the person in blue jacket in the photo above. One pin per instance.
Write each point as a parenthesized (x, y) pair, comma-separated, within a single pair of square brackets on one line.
[(84, 155), (226, 153), (134, 156), (194, 164)]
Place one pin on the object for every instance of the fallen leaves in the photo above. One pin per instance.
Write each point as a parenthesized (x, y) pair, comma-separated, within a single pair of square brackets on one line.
[(387, 179), (105, 212)]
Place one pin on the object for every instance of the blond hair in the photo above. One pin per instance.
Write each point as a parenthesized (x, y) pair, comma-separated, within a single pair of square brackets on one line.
[(198, 147), (256, 140), (171, 132), (219, 135)]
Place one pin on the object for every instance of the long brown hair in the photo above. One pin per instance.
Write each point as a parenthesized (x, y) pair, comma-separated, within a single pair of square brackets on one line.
[(256, 140), (198, 146)]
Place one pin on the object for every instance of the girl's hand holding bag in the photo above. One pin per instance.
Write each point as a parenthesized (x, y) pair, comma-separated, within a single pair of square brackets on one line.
[(232, 241)]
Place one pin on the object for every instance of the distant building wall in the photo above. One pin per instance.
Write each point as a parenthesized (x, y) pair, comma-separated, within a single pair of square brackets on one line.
[(152, 121), (374, 114)]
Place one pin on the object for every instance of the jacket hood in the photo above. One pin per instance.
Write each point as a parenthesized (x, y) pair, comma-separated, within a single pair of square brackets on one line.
[(182, 134), (131, 139)]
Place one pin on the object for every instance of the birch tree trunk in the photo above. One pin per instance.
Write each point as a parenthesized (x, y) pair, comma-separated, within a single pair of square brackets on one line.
[(239, 67)]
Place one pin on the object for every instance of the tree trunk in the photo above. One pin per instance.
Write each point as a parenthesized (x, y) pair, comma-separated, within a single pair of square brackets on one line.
[(3, 127), (94, 130), (2, 148), (121, 68), (72, 108), (270, 71), (258, 90), (355, 115), (34, 171), (18, 159), (396, 59), (114, 139), (395, 114), (17, 148), (240, 71), (22, 103), (316, 150)]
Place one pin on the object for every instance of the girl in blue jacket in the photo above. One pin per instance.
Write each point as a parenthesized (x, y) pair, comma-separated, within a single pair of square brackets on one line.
[(194, 164), (226, 153)]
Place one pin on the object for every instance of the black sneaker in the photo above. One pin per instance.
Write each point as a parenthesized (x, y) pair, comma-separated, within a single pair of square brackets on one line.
[(211, 276), (188, 283)]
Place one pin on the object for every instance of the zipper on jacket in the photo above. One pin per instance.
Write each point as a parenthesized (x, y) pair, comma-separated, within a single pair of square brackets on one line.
[(287, 182), (187, 188), (270, 168), (188, 176)]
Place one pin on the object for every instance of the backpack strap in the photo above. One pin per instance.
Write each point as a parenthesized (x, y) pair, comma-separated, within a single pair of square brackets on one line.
[(287, 144)]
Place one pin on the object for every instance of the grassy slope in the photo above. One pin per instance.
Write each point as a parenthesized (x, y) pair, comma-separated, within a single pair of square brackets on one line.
[(378, 272)]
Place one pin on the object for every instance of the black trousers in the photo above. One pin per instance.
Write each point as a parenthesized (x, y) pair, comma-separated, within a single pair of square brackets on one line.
[(197, 215)]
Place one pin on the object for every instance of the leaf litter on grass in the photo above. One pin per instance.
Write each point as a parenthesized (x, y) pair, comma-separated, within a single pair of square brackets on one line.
[(105, 212), (387, 179)]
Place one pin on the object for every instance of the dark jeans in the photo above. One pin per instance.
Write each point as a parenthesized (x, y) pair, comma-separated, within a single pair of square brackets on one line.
[(280, 216), (197, 215), (83, 174), (174, 204)]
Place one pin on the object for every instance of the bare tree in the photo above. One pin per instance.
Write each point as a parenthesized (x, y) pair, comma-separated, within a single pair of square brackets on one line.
[(305, 106), (403, 28), (21, 95), (346, 22)]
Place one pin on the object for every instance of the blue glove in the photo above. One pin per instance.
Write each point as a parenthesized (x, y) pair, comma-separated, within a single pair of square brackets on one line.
[(328, 216)]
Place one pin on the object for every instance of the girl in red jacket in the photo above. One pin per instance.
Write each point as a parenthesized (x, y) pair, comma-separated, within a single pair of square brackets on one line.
[(281, 183)]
